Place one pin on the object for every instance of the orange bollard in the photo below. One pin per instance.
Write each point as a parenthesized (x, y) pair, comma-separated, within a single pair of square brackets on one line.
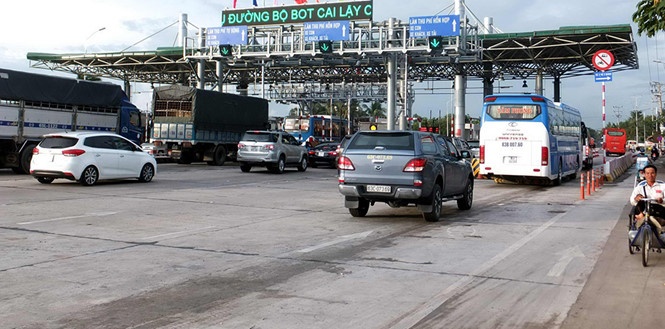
[(581, 187), (595, 180), (588, 182)]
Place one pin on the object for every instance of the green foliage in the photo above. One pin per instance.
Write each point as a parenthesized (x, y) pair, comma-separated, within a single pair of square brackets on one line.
[(340, 109), (650, 17), (637, 124), (374, 110)]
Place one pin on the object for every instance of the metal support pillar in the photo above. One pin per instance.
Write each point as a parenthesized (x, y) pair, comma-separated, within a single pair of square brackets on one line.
[(183, 30), (557, 89), (460, 79), (220, 80), (201, 65), (348, 114), (405, 95), (460, 103), (392, 76), (128, 89), (539, 83), (392, 89), (488, 80)]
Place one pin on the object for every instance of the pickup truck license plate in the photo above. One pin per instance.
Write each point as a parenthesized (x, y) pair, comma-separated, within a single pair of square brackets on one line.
[(378, 188)]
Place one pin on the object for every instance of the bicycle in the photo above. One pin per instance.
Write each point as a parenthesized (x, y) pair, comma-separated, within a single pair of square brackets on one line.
[(645, 237)]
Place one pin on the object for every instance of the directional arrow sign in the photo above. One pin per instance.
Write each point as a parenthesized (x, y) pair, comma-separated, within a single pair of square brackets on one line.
[(226, 50), (325, 47), (320, 31), (435, 42), (425, 26), (603, 76)]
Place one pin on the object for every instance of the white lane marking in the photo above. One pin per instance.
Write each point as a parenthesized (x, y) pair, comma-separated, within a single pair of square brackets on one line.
[(566, 257), (418, 313), (341, 239), (92, 214), (178, 233)]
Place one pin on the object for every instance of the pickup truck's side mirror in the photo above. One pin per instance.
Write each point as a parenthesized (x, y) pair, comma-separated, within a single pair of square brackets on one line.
[(466, 154)]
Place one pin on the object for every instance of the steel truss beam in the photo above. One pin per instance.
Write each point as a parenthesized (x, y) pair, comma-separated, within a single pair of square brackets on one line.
[(280, 56)]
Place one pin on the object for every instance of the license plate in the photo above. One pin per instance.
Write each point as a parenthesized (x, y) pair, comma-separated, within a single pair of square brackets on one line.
[(510, 159), (378, 188), (320, 154)]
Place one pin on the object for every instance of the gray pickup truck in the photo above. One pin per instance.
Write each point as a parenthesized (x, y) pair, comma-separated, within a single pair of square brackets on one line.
[(403, 168)]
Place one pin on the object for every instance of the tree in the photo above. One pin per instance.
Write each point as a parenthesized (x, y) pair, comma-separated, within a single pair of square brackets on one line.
[(375, 110), (650, 17)]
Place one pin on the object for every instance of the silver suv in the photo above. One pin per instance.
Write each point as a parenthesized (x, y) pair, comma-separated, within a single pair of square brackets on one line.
[(272, 149), (403, 168)]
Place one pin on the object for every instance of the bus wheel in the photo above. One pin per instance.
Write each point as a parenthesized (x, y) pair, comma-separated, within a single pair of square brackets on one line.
[(557, 180)]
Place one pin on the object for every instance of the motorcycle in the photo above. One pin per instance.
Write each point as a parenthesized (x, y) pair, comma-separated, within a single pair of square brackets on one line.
[(644, 235)]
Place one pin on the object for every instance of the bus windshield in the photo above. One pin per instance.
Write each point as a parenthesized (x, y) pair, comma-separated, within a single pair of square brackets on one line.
[(513, 111)]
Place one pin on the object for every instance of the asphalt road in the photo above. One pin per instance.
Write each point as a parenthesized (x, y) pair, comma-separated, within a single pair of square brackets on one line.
[(211, 247)]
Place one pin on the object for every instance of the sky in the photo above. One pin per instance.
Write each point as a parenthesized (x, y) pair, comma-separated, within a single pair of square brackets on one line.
[(73, 26)]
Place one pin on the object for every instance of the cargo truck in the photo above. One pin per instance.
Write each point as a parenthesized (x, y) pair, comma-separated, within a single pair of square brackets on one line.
[(32, 105), (192, 124)]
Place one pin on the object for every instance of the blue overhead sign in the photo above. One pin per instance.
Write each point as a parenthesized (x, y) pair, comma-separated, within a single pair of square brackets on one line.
[(604, 76), (323, 31), (226, 35), (427, 26)]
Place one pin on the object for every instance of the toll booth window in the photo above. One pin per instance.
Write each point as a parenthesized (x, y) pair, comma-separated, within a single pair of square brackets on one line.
[(513, 111)]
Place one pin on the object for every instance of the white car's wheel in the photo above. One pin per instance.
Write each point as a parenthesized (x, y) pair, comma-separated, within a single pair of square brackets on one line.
[(90, 176), (147, 173)]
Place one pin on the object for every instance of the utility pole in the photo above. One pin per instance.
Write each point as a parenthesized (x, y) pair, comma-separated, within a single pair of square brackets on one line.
[(657, 92), (617, 112), (636, 100)]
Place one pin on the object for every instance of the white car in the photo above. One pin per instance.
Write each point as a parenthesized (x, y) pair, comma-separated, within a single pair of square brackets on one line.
[(88, 157)]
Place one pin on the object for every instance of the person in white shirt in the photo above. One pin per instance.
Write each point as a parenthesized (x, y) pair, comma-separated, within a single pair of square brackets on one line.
[(652, 189)]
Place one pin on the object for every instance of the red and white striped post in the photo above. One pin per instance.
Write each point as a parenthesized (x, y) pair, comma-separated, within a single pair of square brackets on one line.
[(582, 187), (603, 60), (603, 96)]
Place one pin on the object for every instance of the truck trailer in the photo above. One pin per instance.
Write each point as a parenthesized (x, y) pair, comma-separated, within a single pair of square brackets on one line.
[(191, 125), (32, 105)]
